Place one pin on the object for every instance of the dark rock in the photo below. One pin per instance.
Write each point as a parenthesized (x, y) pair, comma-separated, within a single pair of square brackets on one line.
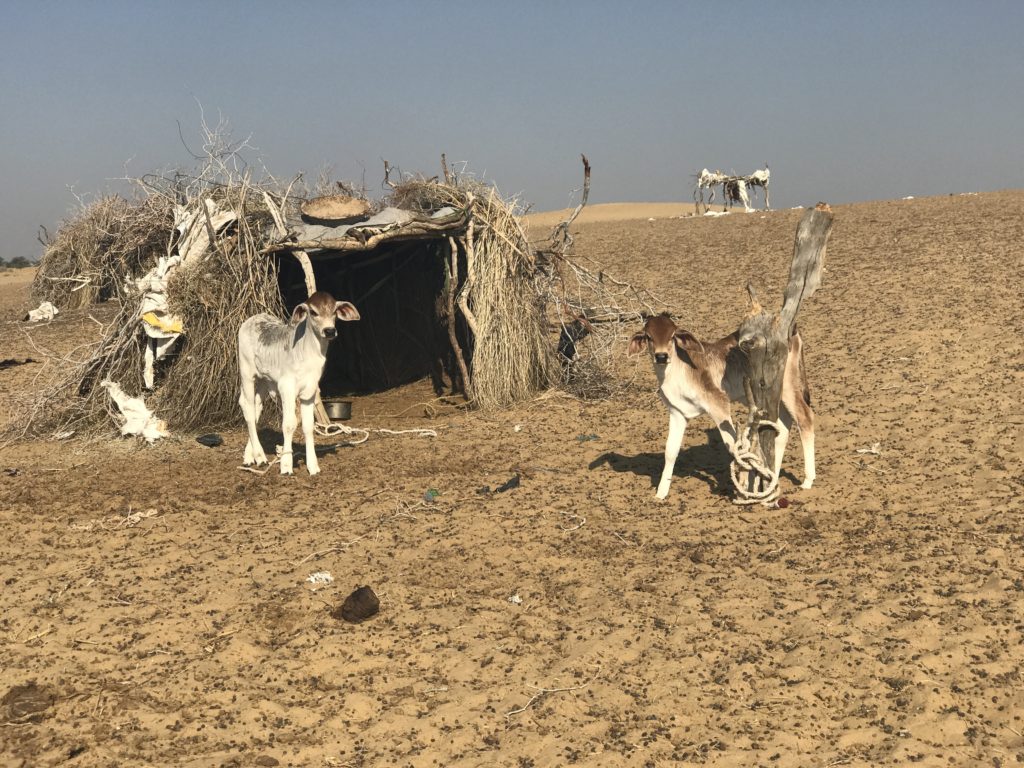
[(359, 606)]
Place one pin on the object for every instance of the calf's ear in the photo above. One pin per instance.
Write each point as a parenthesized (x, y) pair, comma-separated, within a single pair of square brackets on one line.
[(300, 312), (687, 341), (637, 344), (345, 310)]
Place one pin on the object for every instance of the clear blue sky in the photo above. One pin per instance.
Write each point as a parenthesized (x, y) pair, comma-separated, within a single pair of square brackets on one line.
[(845, 100)]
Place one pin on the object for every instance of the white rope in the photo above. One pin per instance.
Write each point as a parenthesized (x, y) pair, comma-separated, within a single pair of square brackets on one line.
[(754, 482), (333, 430), (362, 435)]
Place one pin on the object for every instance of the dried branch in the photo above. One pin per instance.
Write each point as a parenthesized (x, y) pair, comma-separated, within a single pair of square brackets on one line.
[(452, 281), (542, 692), (560, 234)]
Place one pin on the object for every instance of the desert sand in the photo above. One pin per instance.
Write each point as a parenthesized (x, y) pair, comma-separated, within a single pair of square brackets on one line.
[(156, 609)]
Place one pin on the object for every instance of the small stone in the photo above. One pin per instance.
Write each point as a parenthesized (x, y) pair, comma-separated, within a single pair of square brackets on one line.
[(267, 761), (359, 606)]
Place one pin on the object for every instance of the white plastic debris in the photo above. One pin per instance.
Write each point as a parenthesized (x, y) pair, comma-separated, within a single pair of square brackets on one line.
[(194, 227), (45, 311), (138, 419), (161, 327), (517, 428), (320, 578), (515, 599), (875, 449)]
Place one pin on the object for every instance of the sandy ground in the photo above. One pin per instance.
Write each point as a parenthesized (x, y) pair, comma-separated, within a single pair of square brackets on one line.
[(156, 611)]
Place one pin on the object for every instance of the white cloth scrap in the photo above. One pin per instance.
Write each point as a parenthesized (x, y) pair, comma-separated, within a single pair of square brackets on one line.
[(46, 311), (138, 419), (161, 327)]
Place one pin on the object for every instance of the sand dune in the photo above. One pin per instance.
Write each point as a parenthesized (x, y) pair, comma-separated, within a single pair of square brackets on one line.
[(613, 212)]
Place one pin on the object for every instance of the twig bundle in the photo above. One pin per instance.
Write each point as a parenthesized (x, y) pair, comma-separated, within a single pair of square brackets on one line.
[(591, 310), (96, 249)]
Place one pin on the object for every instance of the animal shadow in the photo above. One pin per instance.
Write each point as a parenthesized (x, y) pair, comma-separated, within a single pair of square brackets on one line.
[(707, 461), (271, 438)]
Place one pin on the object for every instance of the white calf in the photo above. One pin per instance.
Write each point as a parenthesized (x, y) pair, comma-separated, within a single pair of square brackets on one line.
[(285, 360)]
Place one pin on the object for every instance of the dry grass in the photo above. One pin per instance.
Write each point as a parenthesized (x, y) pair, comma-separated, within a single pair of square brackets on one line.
[(120, 241), (95, 250), (526, 297)]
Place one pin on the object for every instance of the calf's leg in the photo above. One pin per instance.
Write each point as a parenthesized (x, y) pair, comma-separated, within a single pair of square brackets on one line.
[(286, 390), (306, 408), (250, 410), (676, 430)]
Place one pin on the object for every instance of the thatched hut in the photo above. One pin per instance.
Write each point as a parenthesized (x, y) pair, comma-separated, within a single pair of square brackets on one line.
[(440, 270), (445, 280)]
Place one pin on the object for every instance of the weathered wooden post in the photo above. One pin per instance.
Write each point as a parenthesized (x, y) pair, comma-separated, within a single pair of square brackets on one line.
[(764, 338)]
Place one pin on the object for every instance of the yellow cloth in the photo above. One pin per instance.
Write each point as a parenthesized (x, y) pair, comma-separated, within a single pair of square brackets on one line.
[(165, 324)]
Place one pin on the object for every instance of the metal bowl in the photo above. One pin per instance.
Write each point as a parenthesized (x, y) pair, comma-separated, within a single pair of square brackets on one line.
[(338, 410)]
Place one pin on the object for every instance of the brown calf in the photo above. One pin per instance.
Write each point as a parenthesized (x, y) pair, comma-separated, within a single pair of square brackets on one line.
[(697, 377)]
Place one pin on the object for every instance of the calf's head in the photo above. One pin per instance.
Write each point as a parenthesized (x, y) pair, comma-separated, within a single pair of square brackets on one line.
[(320, 312), (662, 338)]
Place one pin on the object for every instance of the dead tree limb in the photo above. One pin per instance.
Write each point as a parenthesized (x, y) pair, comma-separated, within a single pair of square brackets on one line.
[(449, 179), (560, 236), (453, 336), (298, 252), (387, 174), (808, 260), (764, 339), (414, 230), (467, 286)]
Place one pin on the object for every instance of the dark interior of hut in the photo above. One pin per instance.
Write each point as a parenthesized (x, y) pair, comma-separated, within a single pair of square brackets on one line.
[(400, 290)]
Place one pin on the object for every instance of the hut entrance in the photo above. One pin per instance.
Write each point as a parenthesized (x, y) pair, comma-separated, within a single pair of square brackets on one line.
[(400, 290)]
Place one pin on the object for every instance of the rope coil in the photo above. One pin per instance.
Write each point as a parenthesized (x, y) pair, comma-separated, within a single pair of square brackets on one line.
[(754, 482)]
